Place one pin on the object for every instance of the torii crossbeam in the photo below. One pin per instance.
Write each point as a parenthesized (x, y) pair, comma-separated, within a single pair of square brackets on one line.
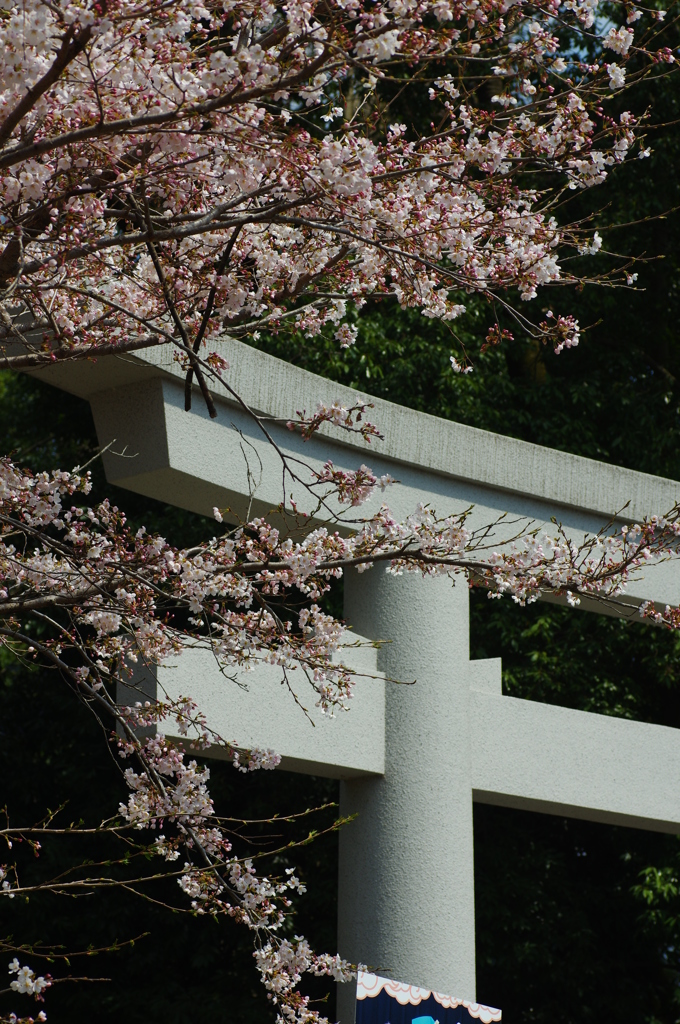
[(412, 759)]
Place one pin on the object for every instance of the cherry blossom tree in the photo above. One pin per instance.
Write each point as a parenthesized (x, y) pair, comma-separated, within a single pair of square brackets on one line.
[(179, 173)]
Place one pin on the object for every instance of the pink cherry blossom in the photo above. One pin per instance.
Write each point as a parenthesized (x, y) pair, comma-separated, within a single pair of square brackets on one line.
[(179, 173)]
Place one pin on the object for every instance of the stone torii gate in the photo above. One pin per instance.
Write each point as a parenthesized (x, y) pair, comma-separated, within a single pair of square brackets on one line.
[(411, 759)]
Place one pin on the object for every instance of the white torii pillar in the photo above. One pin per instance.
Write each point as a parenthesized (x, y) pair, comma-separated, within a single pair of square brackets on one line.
[(411, 759), (406, 885)]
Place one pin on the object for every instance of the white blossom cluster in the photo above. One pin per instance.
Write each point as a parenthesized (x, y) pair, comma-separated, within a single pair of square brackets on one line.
[(162, 189), (26, 981), (5, 884)]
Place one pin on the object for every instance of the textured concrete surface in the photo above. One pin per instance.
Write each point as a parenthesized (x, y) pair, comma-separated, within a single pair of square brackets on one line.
[(196, 463), (544, 758), (523, 754), (406, 885), (479, 457), (278, 388), (257, 709)]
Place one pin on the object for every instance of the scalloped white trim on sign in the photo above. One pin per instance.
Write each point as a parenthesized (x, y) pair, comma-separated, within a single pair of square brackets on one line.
[(369, 985)]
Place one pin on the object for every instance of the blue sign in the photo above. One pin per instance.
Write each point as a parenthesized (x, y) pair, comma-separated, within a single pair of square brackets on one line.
[(383, 1001)]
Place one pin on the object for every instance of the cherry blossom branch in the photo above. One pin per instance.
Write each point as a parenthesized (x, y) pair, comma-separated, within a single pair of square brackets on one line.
[(177, 175)]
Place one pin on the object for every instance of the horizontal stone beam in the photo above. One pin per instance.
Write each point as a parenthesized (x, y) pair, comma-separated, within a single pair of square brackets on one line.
[(439, 447), (197, 463), (523, 754), (258, 709), (539, 757)]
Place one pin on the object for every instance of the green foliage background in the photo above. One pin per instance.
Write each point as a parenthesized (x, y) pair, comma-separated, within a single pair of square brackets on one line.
[(576, 921)]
